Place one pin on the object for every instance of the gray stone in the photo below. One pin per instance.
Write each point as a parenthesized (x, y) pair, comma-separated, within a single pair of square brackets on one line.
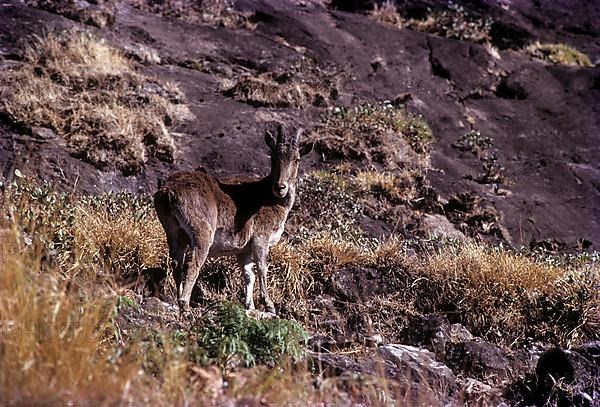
[(478, 359), (419, 366)]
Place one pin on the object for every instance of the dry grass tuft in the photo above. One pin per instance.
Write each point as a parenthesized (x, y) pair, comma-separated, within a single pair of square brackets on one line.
[(505, 296), (290, 277), (52, 345), (219, 13), (302, 84), (559, 54), (395, 188), (99, 13), (264, 91), (387, 13), (502, 296), (452, 22), (89, 94), (373, 133), (119, 235)]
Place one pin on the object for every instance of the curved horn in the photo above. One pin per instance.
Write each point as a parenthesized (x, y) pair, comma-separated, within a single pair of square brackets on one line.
[(296, 137), (280, 134)]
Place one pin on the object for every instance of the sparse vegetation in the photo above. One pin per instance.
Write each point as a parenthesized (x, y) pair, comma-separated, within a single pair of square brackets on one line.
[(479, 145), (90, 95), (221, 13), (451, 22), (372, 254), (99, 13), (373, 133), (303, 84), (72, 307), (558, 54)]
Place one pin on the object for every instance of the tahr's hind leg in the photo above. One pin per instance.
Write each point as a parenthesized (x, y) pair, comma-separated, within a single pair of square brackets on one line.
[(200, 245), (179, 246)]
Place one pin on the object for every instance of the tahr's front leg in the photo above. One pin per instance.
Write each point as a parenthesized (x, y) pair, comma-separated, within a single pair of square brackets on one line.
[(261, 255), (247, 265)]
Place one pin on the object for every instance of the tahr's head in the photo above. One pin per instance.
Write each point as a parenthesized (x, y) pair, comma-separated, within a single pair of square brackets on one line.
[(285, 158)]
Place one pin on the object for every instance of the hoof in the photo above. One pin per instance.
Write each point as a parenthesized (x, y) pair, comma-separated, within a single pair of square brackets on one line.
[(183, 306), (185, 311)]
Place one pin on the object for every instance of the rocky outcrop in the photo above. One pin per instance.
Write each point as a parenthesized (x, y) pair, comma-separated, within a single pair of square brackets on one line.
[(426, 376)]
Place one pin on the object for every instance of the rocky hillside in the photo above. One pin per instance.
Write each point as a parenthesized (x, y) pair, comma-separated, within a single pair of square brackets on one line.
[(515, 135), (443, 248)]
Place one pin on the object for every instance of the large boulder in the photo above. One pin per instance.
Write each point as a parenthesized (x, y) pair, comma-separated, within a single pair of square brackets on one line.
[(569, 377), (428, 379), (435, 332), (480, 360)]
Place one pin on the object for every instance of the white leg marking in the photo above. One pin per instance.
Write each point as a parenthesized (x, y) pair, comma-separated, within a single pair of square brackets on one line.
[(249, 278)]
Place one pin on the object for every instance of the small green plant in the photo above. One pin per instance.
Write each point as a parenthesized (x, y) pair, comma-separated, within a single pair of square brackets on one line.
[(124, 301), (44, 216), (480, 145), (559, 54), (229, 336)]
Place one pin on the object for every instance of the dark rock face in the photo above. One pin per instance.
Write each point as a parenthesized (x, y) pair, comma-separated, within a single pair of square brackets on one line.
[(561, 378), (568, 377), (437, 334), (359, 284), (478, 359)]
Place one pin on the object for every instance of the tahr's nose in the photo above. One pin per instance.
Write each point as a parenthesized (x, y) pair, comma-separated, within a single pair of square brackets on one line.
[(280, 190)]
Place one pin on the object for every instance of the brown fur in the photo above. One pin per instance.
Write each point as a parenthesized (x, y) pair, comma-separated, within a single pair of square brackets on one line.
[(203, 217)]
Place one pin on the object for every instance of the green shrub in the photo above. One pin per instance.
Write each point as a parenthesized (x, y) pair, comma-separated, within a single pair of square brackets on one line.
[(229, 336)]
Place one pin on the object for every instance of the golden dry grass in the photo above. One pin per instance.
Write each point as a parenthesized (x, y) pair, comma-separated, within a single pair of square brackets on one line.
[(60, 341), (399, 187), (90, 95), (120, 243), (387, 13), (301, 84), (498, 294), (262, 90), (52, 342)]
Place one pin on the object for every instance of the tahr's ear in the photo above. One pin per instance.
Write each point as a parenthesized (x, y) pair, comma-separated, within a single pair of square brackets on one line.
[(306, 148), (270, 140)]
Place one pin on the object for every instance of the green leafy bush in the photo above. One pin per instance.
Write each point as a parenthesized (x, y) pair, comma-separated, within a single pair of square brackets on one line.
[(229, 337)]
